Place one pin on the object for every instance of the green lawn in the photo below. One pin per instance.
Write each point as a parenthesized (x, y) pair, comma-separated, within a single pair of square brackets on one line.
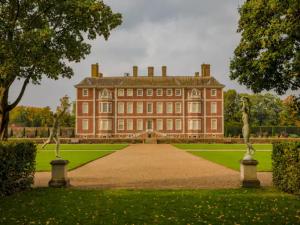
[(77, 154), (74, 206), (229, 155)]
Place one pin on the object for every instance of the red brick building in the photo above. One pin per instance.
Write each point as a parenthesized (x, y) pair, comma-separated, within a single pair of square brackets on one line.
[(134, 106)]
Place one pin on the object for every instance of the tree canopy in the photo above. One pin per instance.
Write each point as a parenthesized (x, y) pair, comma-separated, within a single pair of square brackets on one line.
[(268, 55)]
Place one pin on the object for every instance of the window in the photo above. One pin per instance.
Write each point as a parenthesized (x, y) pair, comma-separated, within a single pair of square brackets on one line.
[(213, 107), (169, 92), (159, 124), (213, 124), (120, 92), (129, 124), (105, 107), (159, 92), (121, 124), (139, 125), (178, 107), (129, 107), (85, 107), (169, 107), (169, 124), (149, 92), (85, 124), (213, 92), (85, 92), (139, 108), (178, 92), (139, 92), (159, 107), (194, 107), (105, 124), (129, 92), (194, 124), (120, 107), (149, 107), (178, 124)]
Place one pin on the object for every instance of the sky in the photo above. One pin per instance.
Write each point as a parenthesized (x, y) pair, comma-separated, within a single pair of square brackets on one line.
[(179, 34)]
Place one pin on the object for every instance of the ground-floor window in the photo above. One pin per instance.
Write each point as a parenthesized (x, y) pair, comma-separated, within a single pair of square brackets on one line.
[(159, 124), (214, 124), (194, 124), (178, 124), (129, 124), (169, 124), (139, 125), (85, 124)]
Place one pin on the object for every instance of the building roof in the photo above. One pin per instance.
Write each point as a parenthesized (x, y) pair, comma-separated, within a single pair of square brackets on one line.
[(145, 81)]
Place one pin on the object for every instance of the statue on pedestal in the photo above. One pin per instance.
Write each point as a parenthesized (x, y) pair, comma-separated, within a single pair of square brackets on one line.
[(54, 134)]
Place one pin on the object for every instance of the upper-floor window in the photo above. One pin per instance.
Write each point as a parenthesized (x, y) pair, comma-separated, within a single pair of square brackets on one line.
[(105, 124), (149, 92), (139, 92), (139, 107), (214, 124), (129, 107), (121, 124), (120, 92), (159, 107), (129, 92), (178, 107), (120, 107), (105, 107), (178, 92), (85, 107), (213, 107), (169, 92), (149, 107), (213, 92), (159, 92), (85, 92), (169, 107), (194, 107)]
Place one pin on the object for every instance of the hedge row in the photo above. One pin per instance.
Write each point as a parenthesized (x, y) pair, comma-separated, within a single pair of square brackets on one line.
[(17, 166), (286, 166)]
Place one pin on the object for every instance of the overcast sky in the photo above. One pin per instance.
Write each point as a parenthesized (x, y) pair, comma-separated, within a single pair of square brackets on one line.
[(179, 34)]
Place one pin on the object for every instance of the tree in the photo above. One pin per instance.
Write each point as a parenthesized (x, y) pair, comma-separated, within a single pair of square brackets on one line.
[(290, 114), (38, 38), (268, 55), (232, 109)]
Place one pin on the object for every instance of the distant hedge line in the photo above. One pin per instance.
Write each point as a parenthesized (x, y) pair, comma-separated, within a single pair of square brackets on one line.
[(286, 166), (17, 166)]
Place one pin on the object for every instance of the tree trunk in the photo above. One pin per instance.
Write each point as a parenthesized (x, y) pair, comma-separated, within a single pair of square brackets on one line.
[(4, 120)]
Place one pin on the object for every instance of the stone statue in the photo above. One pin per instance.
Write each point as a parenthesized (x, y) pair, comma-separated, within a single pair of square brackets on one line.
[(54, 134), (246, 128)]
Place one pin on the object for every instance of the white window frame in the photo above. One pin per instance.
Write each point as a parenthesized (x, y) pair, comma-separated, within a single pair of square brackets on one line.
[(178, 126), (171, 124), (176, 107), (140, 125), (149, 103), (171, 92), (101, 107), (105, 124), (159, 124), (85, 92), (129, 109), (157, 107), (159, 90), (129, 124), (121, 92), (194, 107), (149, 92), (85, 108), (176, 92), (139, 92), (213, 92), (213, 107), (121, 123), (194, 124), (85, 124), (169, 107), (214, 124), (129, 92), (138, 105), (121, 107)]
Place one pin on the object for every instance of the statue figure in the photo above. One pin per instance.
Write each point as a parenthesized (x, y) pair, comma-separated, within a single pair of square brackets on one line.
[(54, 134), (246, 128)]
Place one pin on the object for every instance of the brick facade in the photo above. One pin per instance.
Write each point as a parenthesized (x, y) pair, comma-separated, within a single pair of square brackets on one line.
[(133, 106)]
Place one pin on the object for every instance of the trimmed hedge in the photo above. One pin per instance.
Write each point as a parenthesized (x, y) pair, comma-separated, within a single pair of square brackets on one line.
[(286, 166), (17, 166)]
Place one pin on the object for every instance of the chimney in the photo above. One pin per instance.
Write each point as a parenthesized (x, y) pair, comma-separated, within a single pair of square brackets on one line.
[(95, 70), (197, 74), (150, 71), (205, 70), (135, 71), (164, 71)]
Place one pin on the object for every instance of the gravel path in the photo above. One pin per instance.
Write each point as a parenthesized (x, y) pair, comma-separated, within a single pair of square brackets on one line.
[(150, 166)]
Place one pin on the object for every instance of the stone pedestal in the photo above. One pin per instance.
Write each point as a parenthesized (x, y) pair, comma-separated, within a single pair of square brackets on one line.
[(59, 173), (248, 173)]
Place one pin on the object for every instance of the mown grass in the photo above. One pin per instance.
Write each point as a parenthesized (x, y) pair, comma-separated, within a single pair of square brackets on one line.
[(71, 206), (229, 155), (77, 154)]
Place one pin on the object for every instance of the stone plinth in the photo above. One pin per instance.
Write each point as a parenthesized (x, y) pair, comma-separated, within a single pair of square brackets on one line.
[(59, 173), (248, 173)]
